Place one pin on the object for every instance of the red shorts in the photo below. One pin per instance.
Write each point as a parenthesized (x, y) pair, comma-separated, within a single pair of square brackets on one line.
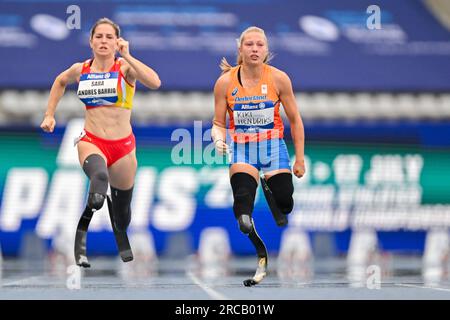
[(112, 149)]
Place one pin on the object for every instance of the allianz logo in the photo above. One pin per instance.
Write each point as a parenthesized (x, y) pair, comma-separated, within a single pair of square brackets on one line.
[(248, 106), (98, 76)]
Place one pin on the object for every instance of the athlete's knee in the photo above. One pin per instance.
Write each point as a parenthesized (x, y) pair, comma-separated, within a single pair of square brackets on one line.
[(244, 190), (282, 189), (95, 168), (121, 205)]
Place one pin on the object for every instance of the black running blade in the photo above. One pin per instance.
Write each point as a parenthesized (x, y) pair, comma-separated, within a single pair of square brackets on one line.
[(250, 282), (260, 273), (126, 255), (261, 251), (123, 245), (80, 238), (280, 219)]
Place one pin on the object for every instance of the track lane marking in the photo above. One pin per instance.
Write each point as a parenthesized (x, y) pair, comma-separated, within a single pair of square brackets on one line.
[(209, 291)]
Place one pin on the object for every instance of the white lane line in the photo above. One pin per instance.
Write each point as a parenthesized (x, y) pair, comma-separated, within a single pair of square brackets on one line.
[(211, 292), (422, 287), (24, 281)]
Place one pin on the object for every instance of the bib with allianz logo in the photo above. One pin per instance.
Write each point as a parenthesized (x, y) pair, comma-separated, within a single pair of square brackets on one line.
[(254, 117), (98, 89)]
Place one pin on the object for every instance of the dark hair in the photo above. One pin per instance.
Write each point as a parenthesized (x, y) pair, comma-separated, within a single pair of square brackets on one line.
[(107, 21)]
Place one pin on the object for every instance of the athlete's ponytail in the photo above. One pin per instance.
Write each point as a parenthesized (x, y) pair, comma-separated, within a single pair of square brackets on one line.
[(225, 65)]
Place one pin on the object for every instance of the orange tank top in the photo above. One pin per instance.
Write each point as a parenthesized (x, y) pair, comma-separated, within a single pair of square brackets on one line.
[(254, 112)]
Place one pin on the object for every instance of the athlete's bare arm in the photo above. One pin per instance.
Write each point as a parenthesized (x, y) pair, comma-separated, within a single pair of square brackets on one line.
[(65, 78), (135, 69), (287, 98), (218, 131)]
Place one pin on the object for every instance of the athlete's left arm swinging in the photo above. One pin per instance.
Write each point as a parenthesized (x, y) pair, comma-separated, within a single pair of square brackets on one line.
[(297, 131), (135, 69)]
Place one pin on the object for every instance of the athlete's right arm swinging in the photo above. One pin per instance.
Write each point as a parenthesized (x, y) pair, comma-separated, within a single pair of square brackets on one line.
[(56, 92), (218, 131)]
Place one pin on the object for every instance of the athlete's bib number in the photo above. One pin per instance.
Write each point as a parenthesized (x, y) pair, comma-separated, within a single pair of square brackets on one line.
[(98, 89), (253, 117)]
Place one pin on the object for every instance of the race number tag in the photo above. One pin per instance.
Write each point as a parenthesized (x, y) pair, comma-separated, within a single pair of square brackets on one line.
[(254, 117), (98, 89)]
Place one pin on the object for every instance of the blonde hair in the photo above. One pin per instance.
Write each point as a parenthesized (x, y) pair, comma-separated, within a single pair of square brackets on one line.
[(106, 21), (226, 66)]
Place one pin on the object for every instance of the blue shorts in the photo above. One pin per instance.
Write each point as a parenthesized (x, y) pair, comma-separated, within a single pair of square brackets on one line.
[(266, 155)]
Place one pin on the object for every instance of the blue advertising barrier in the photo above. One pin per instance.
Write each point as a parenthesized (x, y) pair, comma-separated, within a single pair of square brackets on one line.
[(392, 178)]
